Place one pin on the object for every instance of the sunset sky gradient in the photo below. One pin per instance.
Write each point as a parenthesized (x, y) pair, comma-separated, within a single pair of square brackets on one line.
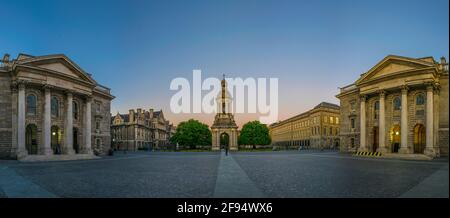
[(137, 47)]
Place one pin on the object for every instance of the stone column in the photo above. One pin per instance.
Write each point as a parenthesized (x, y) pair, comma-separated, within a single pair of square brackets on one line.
[(429, 149), (68, 128), (21, 149), (362, 134), (382, 125), (87, 127), (47, 123), (404, 123)]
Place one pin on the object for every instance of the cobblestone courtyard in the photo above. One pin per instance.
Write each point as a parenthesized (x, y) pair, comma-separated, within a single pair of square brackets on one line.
[(241, 174)]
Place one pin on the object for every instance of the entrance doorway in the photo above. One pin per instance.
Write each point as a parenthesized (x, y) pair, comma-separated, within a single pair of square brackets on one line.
[(224, 140), (395, 138), (56, 139), (76, 146), (31, 139), (375, 139), (419, 139)]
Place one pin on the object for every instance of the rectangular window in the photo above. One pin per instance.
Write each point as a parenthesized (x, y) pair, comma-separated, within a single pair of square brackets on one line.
[(352, 121)]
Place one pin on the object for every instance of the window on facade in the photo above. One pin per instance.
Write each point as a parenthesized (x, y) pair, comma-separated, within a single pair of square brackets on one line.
[(97, 143), (352, 122), (98, 107), (420, 100), (352, 106), (75, 110), (54, 106), (325, 119), (337, 120), (97, 125), (331, 119), (397, 103), (331, 130), (324, 131), (352, 142), (376, 109), (31, 104)]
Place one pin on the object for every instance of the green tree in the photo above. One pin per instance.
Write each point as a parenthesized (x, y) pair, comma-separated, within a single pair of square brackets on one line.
[(192, 133), (254, 133)]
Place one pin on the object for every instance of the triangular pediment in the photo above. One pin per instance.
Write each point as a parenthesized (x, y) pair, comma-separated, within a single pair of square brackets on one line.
[(58, 64), (393, 65)]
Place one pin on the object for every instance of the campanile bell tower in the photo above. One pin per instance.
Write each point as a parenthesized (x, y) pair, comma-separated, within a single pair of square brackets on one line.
[(224, 130)]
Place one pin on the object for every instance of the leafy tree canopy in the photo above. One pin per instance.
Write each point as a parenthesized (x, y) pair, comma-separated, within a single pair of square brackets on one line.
[(254, 133), (192, 133)]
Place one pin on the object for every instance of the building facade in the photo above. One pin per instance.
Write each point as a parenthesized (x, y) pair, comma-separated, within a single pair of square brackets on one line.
[(224, 129), (399, 106), (140, 129), (50, 106), (316, 128)]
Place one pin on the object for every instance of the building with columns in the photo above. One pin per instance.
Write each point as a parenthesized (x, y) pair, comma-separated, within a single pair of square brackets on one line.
[(140, 129), (50, 106), (315, 128), (399, 106), (224, 129)]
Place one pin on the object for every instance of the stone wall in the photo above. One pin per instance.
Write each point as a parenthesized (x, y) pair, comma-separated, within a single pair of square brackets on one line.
[(101, 113), (5, 116)]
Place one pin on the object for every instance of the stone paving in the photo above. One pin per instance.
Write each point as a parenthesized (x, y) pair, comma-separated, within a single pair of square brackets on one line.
[(212, 174)]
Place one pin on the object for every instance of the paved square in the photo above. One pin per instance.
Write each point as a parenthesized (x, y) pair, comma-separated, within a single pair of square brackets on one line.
[(212, 174)]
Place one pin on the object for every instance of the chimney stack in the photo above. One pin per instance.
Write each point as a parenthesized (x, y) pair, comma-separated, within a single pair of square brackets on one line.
[(131, 115)]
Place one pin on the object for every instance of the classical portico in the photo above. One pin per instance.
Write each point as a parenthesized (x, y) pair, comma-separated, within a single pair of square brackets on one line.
[(400, 107), (51, 106)]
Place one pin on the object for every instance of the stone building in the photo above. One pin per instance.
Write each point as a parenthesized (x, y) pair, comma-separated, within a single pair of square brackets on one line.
[(140, 129), (50, 106), (399, 106), (316, 128), (224, 129)]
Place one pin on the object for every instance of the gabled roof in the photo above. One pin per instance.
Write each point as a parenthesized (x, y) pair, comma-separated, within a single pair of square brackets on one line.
[(419, 62), (29, 60)]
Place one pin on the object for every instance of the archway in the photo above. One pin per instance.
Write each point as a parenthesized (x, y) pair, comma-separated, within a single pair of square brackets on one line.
[(56, 139), (419, 139), (224, 140), (375, 138), (31, 139), (395, 138), (76, 146)]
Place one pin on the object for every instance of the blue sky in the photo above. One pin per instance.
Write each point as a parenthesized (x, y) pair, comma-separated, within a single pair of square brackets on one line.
[(313, 47)]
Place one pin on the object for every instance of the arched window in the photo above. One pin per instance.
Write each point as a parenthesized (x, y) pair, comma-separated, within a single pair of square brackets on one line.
[(397, 103), (55, 106), (420, 100), (31, 104), (75, 110), (376, 109)]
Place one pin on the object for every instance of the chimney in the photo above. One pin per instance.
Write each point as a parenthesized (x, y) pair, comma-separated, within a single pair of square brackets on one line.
[(151, 112), (5, 58), (139, 111), (444, 65), (131, 115)]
